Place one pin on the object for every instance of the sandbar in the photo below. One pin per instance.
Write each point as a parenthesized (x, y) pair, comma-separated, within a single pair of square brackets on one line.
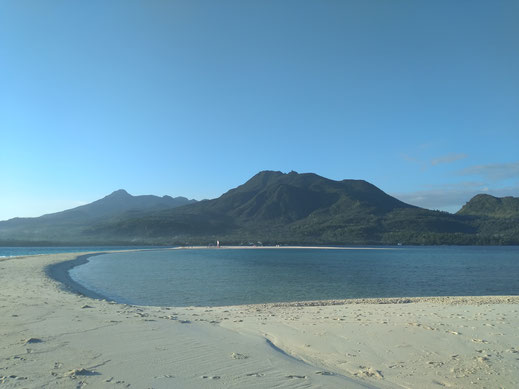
[(53, 337), (282, 247)]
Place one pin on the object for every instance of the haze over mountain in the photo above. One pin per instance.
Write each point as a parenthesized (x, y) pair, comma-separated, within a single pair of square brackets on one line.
[(70, 223), (273, 208)]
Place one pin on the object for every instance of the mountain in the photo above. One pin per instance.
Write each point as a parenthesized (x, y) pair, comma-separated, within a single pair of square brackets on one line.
[(273, 208), (277, 208), (270, 196), (490, 206), (66, 224), (496, 219), (274, 197)]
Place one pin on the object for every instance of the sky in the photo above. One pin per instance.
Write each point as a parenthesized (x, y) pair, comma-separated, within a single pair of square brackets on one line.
[(192, 98)]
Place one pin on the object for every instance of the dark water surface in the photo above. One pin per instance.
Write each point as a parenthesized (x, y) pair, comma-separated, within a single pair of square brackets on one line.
[(212, 277), (6, 252)]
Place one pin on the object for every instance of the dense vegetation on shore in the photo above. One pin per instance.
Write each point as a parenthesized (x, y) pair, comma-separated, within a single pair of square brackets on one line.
[(273, 208)]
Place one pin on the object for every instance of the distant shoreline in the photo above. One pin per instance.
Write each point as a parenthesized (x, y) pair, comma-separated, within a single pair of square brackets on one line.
[(282, 247)]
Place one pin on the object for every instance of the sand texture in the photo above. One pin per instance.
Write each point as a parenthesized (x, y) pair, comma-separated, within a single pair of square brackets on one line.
[(52, 338)]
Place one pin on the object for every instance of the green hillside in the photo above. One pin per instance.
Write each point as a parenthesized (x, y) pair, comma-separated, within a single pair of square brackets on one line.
[(274, 208), (277, 208), (486, 205), (69, 225)]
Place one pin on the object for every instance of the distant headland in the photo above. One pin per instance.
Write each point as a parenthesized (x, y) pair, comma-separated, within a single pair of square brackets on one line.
[(272, 208)]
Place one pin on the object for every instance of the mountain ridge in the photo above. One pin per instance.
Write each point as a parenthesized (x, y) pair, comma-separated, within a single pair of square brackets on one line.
[(491, 206), (115, 205), (276, 208)]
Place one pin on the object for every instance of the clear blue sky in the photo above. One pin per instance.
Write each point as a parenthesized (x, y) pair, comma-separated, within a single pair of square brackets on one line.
[(192, 98)]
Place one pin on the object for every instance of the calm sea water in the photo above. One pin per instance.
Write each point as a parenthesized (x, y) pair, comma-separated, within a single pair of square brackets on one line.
[(6, 252), (210, 277)]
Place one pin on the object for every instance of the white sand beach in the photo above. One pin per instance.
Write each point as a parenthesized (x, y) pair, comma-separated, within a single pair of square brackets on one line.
[(52, 338)]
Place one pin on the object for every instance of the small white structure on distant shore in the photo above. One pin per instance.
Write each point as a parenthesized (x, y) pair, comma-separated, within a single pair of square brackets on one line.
[(217, 243)]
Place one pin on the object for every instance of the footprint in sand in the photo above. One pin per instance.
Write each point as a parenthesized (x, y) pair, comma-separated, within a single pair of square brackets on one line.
[(369, 372), (4, 379), (397, 365), (297, 376), (238, 356), (168, 317), (32, 340), (80, 372), (255, 374), (445, 384), (453, 332)]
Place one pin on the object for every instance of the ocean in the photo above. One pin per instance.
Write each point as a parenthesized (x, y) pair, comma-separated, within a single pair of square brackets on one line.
[(215, 277), (6, 252)]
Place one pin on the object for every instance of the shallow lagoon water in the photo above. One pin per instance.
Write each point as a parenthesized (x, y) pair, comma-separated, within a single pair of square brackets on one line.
[(213, 277)]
